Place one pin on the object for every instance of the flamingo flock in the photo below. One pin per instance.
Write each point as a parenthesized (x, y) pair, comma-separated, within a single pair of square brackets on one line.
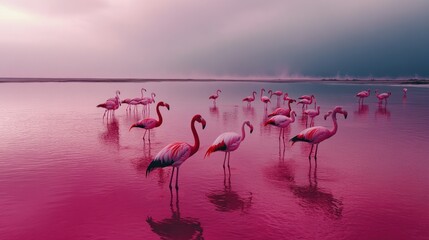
[(175, 154)]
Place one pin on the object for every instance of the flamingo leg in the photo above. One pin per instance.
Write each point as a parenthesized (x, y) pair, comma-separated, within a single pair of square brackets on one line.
[(315, 155), (144, 134), (224, 161), (309, 155), (177, 179), (171, 178), (149, 135), (229, 155)]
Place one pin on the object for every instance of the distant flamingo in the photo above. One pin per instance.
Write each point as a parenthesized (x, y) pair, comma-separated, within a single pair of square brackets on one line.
[(150, 123), (215, 96), (264, 99), (362, 95), (116, 98), (175, 154), (305, 102), (277, 93), (316, 135), (382, 96), (135, 101), (146, 101), (250, 99), (286, 98), (308, 97), (281, 121), (110, 107), (283, 111), (312, 113), (228, 142), (404, 90)]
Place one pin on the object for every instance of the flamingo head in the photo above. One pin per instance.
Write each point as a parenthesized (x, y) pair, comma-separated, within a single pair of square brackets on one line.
[(327, 115), (118, 92), (254, 92), (144, 89), (345, 114), (339, 109), (318, 108), (293, 113), (200, 119), (134, 125), (164, 105), (250, 126), (218, 91), (262, 89)]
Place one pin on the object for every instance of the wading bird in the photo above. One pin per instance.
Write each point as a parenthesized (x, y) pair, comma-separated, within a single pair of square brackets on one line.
[(382, 96), (362, 95), (250, 99), (312, 113), (281, 121), (283, 111), (175, 154), (264, 99), (215, 96), (150, 123)]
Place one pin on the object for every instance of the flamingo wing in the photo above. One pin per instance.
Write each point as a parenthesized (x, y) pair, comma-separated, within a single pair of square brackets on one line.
[(312, 135), (173, 154), (228, 141), (147, 123)]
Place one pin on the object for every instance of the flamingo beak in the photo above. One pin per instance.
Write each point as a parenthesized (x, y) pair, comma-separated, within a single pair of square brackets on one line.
[(168, 106), (345, 114), (132, 127), (251, 128), (203, 122)]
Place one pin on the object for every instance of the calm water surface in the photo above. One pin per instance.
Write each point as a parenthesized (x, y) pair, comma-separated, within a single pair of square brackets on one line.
[(65, 173)]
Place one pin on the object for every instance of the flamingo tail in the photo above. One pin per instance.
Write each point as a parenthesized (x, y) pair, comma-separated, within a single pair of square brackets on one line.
[(103, 105), (217, 147), (299, 138), (156, 163)]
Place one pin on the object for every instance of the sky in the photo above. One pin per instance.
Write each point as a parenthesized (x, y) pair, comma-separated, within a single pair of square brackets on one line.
[(214, 39)]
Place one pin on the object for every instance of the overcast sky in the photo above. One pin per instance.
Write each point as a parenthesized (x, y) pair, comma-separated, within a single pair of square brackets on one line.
[(219, 38)]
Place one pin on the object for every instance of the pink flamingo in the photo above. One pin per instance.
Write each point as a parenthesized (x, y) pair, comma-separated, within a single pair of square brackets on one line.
[(404, 90), (362, 95), (281, 121), (215, 96), (286, 98), (382, 96), (278, 93), (316, 135), (250, 99), (146, 101), (308, 97), (282, 111), (264, 99), (312, 113), (305, 102), (175, 154), (150, 123), (136, 100), (228, 142), (110, 106)]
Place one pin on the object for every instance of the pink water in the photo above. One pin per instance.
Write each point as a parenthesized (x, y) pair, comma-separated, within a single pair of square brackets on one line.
[(65, 173)]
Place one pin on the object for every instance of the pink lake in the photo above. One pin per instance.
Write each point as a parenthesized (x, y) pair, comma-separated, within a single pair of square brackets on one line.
[(67, 173)]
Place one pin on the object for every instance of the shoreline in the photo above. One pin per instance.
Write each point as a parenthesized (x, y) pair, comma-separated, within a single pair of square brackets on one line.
[(279, 80)]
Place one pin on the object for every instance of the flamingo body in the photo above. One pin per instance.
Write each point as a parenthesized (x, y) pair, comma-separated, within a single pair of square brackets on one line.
[(250, 99), (150, 123)]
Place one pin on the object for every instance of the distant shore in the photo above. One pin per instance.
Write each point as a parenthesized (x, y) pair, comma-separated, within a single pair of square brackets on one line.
[(412, 81)]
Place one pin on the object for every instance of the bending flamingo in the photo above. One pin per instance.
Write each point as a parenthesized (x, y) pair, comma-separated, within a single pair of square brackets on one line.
[(305, 102), (318, 134), (150, 123), (362, 95), (312, 113), (281, 121), (175, 154), (228, 142), (264, 99), (250, 99), (382, 96), (215, 96), (146, 101), (278, 93), (110, 107), (286, 98), (282, 111)]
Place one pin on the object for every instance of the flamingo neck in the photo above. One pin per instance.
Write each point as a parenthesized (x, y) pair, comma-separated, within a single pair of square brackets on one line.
[(254, 95), (141, 92), (262, 92), (243, 133), (196, 146), (159, 116), (153, 95), (288, 104), (334, 119), (292, 117)]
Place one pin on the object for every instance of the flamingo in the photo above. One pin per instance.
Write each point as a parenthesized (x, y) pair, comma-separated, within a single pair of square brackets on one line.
[(250, 99), (404, 90), (278, 93), (382, 96), (110, 106), (146, 101), (215, 96), (135, 101), (305, 102), (228, 142), (282, 111), (362, 95), (312, 113), (150, 123), (174, 154), (316, 135), (286, 98), (264, 99), (281, 121), (116, 98)]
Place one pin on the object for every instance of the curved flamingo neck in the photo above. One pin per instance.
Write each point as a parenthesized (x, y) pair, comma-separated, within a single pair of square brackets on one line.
[(243, 133), (292, 117), (254, 95), (196, 146), (334, 119), (217, 92), (142, 92), (262, 92), (288, 104), (159, 115)]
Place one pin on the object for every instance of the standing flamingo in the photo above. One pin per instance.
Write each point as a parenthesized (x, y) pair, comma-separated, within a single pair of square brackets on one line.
[(278, 93), (382, 96), (264, 99), (110, 107), (174, 154), (146, 101), (250, 99), (215, 96), (404, 90), (281, 121), (362, 95), (286, 98), (228, 142), (283, 111), (312, 113), (150, 123), (135, 101), (316, 135), (305, 102)]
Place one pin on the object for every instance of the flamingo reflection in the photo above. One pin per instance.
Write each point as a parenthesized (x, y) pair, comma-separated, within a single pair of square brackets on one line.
[(249, 112), (316, 199), (227, 200), (362, 109), (111, 135), (176, 227), (214, 111), (382, 111)]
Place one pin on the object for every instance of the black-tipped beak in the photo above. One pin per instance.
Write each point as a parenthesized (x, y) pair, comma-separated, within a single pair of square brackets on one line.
[(168, 106), (251, 130), (204, 125), (131, 127), (345, 115), (325, 117)]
